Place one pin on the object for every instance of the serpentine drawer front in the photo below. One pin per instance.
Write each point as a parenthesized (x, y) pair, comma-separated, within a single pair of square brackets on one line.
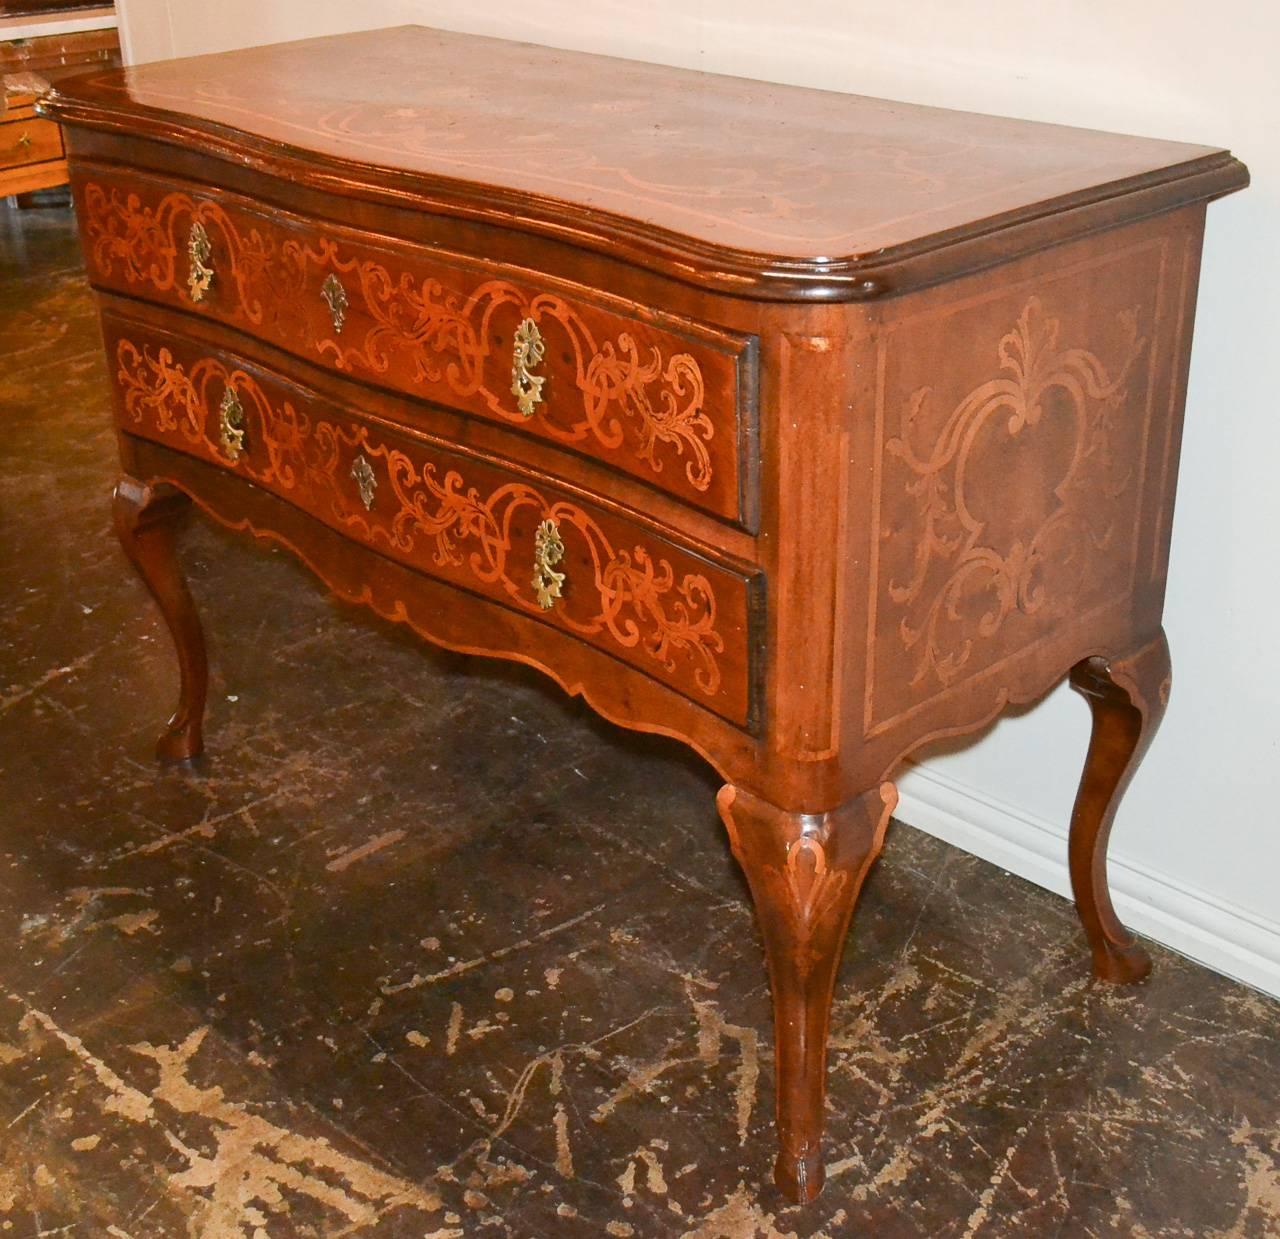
[(676, 615), (666, 399), (801, 427)]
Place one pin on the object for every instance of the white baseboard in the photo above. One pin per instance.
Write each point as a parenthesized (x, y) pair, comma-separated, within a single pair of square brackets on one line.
[(1226, 938)]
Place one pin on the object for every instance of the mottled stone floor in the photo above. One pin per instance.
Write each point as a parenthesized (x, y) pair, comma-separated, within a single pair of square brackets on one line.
[(425, 950)]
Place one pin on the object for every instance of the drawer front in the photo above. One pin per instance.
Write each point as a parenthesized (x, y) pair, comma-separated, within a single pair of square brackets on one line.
[(666, 609), (29, 140), (667, 400)]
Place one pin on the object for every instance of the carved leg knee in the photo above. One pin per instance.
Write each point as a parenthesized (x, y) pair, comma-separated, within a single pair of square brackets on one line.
[(1127, 698), (145, 519), (805, 872)]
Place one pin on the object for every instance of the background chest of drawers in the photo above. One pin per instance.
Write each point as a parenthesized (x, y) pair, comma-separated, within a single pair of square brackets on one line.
[(31, 155), (801, 427), (36, 49)]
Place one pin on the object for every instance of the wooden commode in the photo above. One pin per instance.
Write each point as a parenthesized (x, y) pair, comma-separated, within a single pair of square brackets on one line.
[(803, 427)]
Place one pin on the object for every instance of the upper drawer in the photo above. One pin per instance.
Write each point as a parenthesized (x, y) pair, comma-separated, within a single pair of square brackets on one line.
[(29, 140), (668, 400)]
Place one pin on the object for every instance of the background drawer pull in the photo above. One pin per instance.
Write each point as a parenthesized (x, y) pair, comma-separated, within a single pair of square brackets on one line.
[(200, 252), (231, 425), (548, 550), (24, 140), (335, 297), (526, 386)]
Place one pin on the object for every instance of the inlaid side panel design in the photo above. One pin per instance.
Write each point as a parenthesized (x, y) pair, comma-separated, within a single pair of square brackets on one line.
[(1011, 472), (676, 615), (663, 399)]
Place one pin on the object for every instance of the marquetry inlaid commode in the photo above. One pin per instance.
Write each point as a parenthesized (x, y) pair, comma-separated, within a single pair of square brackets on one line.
[(802, 427)]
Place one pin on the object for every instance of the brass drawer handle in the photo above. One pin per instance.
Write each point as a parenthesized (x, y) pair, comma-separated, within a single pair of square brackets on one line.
[(366, 482), (231, 425), (335, 297), (24, 140), (199, 251), (548, 550), (526, 386)]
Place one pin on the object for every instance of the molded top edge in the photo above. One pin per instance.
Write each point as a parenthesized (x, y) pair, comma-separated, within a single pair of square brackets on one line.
[(761, 190)]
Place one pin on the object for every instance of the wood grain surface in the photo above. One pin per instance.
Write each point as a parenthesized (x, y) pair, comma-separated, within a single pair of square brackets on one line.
[(801, 186)]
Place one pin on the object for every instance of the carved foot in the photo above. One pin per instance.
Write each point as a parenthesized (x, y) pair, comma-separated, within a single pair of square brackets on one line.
[(145, 520), (805, 871), (1127, 697)]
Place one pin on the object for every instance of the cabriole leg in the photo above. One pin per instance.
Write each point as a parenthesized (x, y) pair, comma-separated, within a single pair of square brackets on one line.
[(805, 871), (145, 520), (1127, 697)]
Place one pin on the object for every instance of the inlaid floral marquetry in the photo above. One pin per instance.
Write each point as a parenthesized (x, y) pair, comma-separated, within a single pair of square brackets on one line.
[(645, 599), (1038, 377), (669, 404), (1013, 497)]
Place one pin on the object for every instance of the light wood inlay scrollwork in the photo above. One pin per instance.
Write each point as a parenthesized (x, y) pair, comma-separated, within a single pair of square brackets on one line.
[(653, 403), (631, 398), (149, 246), (641, 602), (1043, 567)]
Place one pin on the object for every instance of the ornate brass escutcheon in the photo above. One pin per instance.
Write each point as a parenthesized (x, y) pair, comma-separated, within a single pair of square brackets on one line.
[(366, 482), (335, 297), (231, 425), (199, 251), (526, 386), (548, 550)]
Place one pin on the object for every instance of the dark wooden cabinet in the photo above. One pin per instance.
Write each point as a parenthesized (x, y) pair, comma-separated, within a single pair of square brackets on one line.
[(802, 427)]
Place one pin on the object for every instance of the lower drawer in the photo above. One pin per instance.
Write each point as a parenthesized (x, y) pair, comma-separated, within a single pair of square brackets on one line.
[(669, 610)]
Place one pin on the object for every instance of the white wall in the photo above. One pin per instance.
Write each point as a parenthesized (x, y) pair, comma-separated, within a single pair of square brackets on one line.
[(1196, 855)]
